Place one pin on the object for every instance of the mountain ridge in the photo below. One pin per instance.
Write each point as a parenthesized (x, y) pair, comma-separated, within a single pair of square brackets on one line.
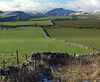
[(58, 12), (24, 16), (1, 12)]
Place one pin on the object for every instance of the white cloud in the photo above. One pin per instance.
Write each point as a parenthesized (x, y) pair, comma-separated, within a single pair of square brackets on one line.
[(85, 5), (30, 5), (43, 5), (8, 6)]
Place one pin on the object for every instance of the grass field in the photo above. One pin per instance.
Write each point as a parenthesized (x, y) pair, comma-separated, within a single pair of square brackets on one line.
[(90, 37), (88, 16), (64, 17), (51, 18), (80, 23), (14, 23), (28, 40)]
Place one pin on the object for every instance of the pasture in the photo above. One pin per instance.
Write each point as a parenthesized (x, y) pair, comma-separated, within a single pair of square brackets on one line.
[(50, 18), (28, 40), (79, 23), (90, 37), (16, 23), (64, 17), (86, 17)]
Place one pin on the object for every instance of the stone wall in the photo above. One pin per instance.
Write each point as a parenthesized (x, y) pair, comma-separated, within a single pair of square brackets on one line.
[(72, 43)]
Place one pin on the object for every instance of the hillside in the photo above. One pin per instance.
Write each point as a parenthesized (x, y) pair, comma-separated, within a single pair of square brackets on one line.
[(84, 32), (51, 18), (1, 12), (59, 12), (28, 40), (11, 16), (52, 14)]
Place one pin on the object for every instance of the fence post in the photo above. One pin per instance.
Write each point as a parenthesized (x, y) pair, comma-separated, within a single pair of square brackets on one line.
[(74, 55), (3, 64), (26, 56), (34, 65), (17, 57)]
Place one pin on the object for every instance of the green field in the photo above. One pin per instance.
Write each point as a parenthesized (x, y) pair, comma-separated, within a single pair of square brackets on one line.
[(80, 23), (95, 16), (51, 18), (90, 37), (64, 17), (28, 40), (14, 23)]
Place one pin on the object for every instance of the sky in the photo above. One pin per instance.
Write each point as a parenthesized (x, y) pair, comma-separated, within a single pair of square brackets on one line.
[(45, 5)]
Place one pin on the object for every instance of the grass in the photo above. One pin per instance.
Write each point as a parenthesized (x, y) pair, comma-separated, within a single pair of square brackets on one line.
[(58, 67), (28, 40), (87, 16), (50, 18), (14, 23), (80, 69), (80, 23), (90, 37), (64, 17)]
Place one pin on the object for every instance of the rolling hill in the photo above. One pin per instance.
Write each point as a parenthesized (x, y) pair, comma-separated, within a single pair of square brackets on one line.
[(1, 12), (59, 12), (11, 16)]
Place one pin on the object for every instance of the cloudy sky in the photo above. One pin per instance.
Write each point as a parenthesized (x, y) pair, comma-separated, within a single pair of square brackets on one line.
[(44, 5)]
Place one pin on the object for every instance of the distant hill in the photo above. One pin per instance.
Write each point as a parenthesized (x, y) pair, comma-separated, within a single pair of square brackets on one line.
[(80, 13), (36, 15), (95, 12), (13, 15), (24, 16), (55, 13), (59, 12), (1, 12)]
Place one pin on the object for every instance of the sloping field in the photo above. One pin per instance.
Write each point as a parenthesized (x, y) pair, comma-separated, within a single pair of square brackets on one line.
[(65, 17), (14, 23), (95, 16), (80, 23), (90, 37), (28, 40), (51, 18)]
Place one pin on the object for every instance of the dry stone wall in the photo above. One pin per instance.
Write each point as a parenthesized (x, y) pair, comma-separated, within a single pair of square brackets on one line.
[(72, 43)]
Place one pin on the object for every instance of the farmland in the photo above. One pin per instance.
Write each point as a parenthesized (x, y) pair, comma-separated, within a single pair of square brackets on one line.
[(79, 23), (14, 23), (90, 37), (85, 17), (51, 18), (95, 16), (28, 40)]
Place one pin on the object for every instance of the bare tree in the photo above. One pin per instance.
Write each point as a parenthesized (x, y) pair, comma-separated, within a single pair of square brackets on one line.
[(10, 21), (18, 18), (73, 16), (1, 20), (35, 24)]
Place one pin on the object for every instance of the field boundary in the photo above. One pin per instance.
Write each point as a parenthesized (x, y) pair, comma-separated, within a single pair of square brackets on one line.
[(71, 43), (78, 27)]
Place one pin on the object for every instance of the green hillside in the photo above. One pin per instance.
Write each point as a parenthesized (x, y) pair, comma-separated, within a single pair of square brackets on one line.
[(51, 18), (14, 23), (79, 23), (28, 40), (90, 37)]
